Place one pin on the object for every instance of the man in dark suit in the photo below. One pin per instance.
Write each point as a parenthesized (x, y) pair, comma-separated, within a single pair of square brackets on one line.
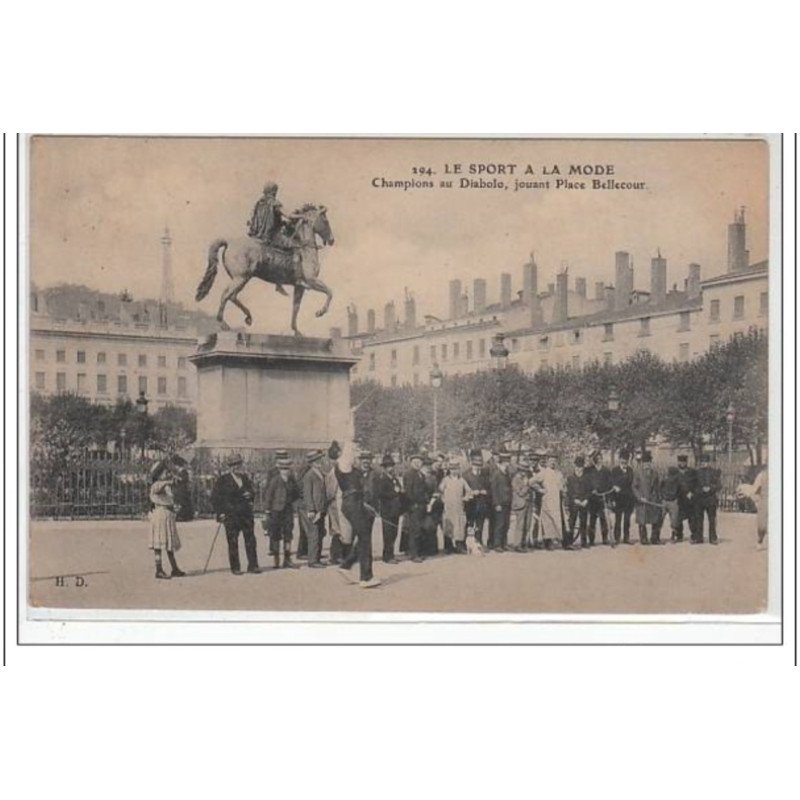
[(416, 491), (687, 493), (622, 497), (477, 507), (579, 487), (501, 494), (232, 500), (279, 501), (389, 495), (599, 481), (313, 505), (709, 482)]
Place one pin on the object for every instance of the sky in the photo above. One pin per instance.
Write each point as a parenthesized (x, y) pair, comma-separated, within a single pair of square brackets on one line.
[(98, 208)]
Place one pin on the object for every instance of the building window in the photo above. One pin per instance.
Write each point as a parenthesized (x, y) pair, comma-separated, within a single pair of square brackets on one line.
[(482, 348), (683, 351), (61, 356), (372, 362), (81, 356), (394, 380), (714, 340), (544, 342), (456, 350), (394, 359), (763, 306), (683, 324), (576, 362), (142, 360), (738, 307), (101, 358), (122, 384), (444, 352), (39, 380), (608, 359), (162, 361), (102, 388), (713, 311), (122, 359), (181, 386), (608, 332), (181, 362), (433, 353), (81, 383), (162, 385), (61, 381), (644, 326), (469, 350), (143, 383), (576, 337), (40, 355), (415, 355)]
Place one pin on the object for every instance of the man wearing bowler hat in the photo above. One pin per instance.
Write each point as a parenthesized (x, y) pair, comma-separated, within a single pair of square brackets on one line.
[(279, 501), (477, 507), (232, 500), (313, 504), (687, 497), (417, 495), (622, 498), (709, 482), (389, 495)]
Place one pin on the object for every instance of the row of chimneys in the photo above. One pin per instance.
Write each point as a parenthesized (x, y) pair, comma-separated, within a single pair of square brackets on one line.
[(390, 322), (616, 297)]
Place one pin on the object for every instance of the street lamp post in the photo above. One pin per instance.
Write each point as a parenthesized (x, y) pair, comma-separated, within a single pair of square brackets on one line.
[(436, 383), (613, 408), (730, 415), (499, 354), (141, 408)]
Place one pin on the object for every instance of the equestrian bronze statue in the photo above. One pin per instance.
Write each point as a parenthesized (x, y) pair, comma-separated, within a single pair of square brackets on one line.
[(295, 264)]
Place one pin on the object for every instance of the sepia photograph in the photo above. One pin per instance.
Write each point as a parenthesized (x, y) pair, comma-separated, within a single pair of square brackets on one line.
[(464, 377)]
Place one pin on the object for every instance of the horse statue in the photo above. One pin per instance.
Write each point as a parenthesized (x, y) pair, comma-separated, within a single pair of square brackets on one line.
[(244, 258)]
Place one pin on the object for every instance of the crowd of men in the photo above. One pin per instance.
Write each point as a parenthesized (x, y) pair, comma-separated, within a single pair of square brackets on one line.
[(503, 502)]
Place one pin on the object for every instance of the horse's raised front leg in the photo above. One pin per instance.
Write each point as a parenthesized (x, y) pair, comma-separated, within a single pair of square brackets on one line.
[(296, 300), (320, 286)]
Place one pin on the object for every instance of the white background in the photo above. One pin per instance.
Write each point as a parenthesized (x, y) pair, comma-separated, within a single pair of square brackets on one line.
[(402, 722)]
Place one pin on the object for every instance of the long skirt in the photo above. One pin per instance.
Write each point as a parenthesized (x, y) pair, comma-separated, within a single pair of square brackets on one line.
[(163, 530), (454, 522)]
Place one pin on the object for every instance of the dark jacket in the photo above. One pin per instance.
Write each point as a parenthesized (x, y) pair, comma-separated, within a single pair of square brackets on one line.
[(500, 488), (235, 502), (314, 496), (712, 478), (670, 485), (416, 488), (478, 483), (687, 484), (389, 494), (281, 494), (599, 479), (579, 487), (623, 479)]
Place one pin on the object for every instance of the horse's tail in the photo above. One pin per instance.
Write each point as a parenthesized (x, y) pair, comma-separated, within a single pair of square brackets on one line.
[(211, 270)]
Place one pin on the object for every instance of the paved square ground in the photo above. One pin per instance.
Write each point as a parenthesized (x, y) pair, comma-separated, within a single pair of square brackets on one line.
[(116, 569)]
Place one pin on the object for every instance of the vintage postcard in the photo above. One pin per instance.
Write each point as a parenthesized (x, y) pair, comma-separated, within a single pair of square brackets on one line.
[(423, 378)]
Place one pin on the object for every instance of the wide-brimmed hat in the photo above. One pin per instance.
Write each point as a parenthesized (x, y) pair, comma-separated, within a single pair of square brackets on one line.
[(476, 459), (387, 460), (313, 455), (281, 453), (233, 459), (283, 463), (416, 456), (365, 455), (683, 457), (454, 465), (504, 456)]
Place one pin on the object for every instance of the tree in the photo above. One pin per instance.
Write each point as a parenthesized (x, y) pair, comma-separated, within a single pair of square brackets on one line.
[(173, 428)]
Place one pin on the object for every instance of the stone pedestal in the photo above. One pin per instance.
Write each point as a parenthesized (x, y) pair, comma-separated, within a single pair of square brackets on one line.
[(259, 392)]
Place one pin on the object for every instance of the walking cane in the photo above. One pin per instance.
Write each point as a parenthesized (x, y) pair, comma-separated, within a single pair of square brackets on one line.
[(213, 542)]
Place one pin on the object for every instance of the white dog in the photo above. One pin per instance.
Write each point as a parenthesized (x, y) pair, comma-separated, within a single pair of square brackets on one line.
[(474, 547)]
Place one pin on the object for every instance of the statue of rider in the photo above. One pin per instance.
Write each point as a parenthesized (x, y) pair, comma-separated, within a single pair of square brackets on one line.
[(267, 223)]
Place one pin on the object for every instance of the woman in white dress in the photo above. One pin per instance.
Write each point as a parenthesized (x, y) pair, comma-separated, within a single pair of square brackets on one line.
[(163, 530), (552, 482), (454, 491)]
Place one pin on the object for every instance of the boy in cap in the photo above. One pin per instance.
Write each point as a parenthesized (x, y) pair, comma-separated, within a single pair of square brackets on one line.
[(279, 520), (232, 501)]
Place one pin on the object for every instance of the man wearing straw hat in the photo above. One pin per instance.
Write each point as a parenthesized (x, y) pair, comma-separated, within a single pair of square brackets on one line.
[(279, 522), (232, 500), (313, 504)]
